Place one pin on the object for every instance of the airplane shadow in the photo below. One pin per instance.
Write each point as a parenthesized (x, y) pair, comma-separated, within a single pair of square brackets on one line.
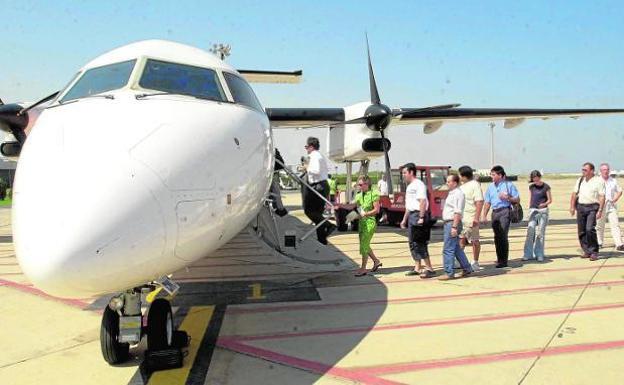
[(302, 320)]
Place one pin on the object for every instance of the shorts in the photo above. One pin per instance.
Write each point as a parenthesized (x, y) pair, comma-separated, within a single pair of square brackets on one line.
[(469, 233)]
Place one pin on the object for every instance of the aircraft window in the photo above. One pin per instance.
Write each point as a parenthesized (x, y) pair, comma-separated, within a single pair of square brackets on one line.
[(242, 92), (182, 79), (101, 79)]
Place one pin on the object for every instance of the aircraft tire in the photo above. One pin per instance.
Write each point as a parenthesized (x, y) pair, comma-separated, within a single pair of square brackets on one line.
[(113, 351), (159, 325)]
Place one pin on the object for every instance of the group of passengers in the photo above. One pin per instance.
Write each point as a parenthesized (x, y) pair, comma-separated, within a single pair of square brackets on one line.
[(593, 200)]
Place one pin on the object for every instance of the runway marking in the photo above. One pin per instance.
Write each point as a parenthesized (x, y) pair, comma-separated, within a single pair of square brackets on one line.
[(195, 324), (419, 324), (29, 289), (313, 366), (379, 281), (256, 291), (317, 306), (488, 358)]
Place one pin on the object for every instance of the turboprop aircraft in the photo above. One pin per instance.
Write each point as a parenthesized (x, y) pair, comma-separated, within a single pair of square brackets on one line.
[(166, 155)]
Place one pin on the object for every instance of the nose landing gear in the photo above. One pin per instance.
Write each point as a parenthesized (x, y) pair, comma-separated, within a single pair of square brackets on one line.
[(123, 325)]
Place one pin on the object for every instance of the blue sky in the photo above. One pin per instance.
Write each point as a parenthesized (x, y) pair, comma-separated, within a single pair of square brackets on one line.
[(560, 54)]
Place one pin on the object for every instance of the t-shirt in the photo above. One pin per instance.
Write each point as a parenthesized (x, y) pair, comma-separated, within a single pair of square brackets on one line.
[(472, 193), (589, 191), (538, 194), (415, 192), (382, 185), (454, 204)]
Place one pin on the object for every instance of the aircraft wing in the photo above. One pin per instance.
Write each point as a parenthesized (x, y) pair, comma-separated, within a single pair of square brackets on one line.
[(431, 117), (304, 117)]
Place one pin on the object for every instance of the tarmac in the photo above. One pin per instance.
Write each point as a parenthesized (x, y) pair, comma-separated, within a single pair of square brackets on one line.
[(556, 322)]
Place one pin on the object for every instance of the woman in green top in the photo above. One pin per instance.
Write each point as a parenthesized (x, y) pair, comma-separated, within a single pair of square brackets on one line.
[(368, 207)]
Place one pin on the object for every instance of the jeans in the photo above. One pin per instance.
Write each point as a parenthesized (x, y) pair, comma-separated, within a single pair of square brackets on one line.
[(500, 225), (452, 250), (586, 225), (536, 231)]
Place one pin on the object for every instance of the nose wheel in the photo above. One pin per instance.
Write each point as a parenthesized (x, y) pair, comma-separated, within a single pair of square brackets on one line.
[(159, 325), (113, 351)]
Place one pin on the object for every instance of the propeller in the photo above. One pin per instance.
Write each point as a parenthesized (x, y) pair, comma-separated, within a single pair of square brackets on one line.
[(378, 116), (16, 117)]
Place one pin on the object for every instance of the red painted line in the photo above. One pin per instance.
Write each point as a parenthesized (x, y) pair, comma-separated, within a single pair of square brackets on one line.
[(27, 288), (411, 325), (489, 358), (382, 302), (300, 363), (483, 273)]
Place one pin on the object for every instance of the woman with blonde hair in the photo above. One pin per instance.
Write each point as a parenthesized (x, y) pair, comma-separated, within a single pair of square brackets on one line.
[(367, 202)]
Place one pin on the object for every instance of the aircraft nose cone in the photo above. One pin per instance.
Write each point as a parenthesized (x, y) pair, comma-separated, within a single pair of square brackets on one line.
[(83, 226)]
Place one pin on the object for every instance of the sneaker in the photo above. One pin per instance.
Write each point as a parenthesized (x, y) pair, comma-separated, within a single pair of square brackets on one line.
[(427, 274), (525, 258), (475, 266), (620, 248), (540, 259)]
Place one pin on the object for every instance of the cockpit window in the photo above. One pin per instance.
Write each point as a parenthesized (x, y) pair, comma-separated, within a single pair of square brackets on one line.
[(182, 79), (242, 92), (101, 79)]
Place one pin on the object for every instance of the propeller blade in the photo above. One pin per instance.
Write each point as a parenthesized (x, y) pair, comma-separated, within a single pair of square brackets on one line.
[(46, 99), (413, 111), (371, 77), (387, 158)]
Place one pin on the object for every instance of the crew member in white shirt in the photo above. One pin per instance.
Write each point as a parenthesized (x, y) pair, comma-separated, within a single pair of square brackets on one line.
[(416, 220), (452, 217), (613, 192), (313, 205)]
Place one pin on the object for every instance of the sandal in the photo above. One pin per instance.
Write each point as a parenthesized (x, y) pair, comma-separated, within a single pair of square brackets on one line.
[(361, 274), (376, 267)]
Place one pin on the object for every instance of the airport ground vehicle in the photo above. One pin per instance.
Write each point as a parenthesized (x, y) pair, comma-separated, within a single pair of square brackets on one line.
[(434, 177)]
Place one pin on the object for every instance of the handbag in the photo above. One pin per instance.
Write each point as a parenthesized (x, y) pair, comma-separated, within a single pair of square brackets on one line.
[(517, 213)]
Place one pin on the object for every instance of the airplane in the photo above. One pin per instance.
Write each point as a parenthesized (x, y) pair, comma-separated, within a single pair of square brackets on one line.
[(166, 155)]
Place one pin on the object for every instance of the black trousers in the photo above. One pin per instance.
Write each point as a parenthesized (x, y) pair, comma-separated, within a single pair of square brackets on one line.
[(500, 225), (314, 206), (418, 236), (586, 225)]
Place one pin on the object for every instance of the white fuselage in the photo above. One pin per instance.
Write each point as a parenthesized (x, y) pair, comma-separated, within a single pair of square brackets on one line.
[(113, 193)]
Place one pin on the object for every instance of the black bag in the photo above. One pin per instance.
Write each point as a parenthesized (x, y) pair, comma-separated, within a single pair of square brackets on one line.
[(516, 213)]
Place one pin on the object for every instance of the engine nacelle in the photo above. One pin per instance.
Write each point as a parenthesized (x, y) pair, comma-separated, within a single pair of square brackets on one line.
[(354, 142)]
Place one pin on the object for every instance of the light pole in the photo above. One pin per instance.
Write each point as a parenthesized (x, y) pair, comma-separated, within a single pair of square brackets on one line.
[(492, 125)]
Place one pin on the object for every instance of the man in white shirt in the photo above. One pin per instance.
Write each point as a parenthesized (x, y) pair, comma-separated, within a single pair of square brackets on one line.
[(382, 185), (416, 220), (313, 205), (587, 200), (472, 213), (452, 217), (613, 192)]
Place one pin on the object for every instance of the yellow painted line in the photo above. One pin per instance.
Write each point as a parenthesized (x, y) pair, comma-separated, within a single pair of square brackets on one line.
[(195, 324)]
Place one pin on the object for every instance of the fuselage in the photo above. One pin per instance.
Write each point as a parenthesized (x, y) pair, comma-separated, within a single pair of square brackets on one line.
[(116, 188)]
